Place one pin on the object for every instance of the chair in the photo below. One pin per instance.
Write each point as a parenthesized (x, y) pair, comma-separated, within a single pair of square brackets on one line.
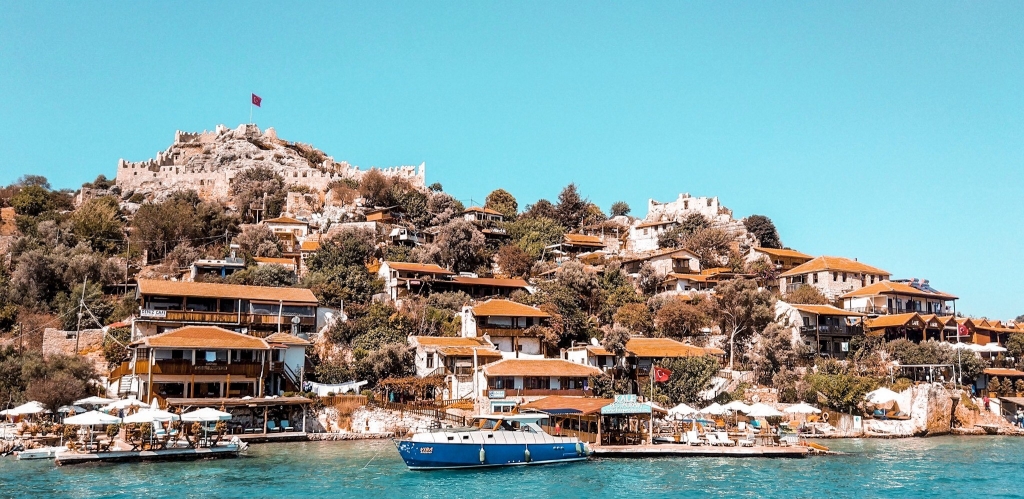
[(723, 439), (272, 426), (692, 438), (286, 425), (747, 441), (712, 439)]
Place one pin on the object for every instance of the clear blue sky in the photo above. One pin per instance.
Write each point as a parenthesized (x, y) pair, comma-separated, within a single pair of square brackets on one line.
[(890, 132)]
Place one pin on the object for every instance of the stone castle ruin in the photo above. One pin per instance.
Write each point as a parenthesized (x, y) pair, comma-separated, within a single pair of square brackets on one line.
[(208, 161), (720, 216)]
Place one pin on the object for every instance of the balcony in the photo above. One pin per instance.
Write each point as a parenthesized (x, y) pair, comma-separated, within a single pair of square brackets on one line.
[(899, 310), (186, 368), (825, 330), (502, 331), (233, 318), (539, 392)]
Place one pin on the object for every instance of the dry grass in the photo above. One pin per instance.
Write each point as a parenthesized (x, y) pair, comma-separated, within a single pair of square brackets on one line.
[(345, 408)]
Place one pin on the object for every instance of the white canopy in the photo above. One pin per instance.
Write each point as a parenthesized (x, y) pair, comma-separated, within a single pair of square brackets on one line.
[(992, 348), (881, 396), (737, 405), (714, 409), (150, 416), (124, 404), (64, 409), (32, 407), (92, 418), (760, 410), (206, 414), (802, 408), (94, 400)]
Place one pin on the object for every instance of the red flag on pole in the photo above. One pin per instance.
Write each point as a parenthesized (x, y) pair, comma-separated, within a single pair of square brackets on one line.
[(256, 100), (961, 330), (661, 374)]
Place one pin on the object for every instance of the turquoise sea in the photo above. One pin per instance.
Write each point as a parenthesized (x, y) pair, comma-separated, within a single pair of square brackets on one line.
[(934, 467)]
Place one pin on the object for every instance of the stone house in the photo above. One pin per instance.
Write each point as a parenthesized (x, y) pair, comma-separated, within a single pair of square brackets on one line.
[(453, 358), (898, 297), (506, 324), (826, 329), (833, 276), (784, 259)]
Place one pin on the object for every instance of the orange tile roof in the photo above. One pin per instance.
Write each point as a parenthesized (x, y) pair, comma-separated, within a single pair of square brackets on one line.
[(418, 267), (662, 347), (539, 367), (655, 254), (448, 341), (274, 261), (784, 253), (468, 352), (892, 320), (834, 263), (583, 405), (583, 240), (216, 290), (285, 220), (899, 288), (490, 281), (483, 210), (597, 350), (287, 339), (825, 310), (507, 308), (691, 277), (996, 371), (203, 337)]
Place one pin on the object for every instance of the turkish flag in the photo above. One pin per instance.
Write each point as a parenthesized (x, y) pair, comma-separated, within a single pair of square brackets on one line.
[(961, 329), (256, 100), (661, 374)]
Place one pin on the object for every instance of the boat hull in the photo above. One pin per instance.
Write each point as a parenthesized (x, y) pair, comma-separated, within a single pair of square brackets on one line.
[(434, 456)]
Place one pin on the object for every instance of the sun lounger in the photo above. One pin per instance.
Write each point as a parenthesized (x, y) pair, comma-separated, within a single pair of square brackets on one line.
[(746, 442), (286, 425), (723, 439), (272, 426), (712, 439), (692, 438)]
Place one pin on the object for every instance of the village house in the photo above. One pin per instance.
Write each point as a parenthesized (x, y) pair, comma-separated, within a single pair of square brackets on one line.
[(665, 262), (643, 236), (489, 222), (287, 263), (912, 326), (215, 267), (833, 276), (506, 325), (401, 278), (508, 382), (289, 231), (783, 259), (898, 297), (706, 280), (575, 244), (613, 233), (382, 215), (255, 310), (453, 358), (210, 362), (826, 329), (640, 355), (481, 287)]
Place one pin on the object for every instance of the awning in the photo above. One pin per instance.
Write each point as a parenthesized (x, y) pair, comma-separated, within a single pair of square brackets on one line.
[(627, 404), (238, 402)]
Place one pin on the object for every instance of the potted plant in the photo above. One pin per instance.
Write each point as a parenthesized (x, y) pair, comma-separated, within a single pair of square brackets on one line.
[(994, 387), (1020, 387)]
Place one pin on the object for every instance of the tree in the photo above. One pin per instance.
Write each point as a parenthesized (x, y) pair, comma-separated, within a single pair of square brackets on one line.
[(842, 392), (443, 207), (33, 181), (678, 236), (764, 230), (32, 201), (615, 339), (541, 209), (534, 233), (115, 346), (806, 295), (711, 247), (763, 270), (635, 318), (459, 246), (514, 261), (1015, 347), (382, 325), (620, 209), (394, 360), (503, 202), (744, 310), (276, 276), (258, 240), (648, 279), (773, 352), (690, 376), (259, 188), (571, 210), (678, 318), (99, 223), (337, 271), (995, 387)]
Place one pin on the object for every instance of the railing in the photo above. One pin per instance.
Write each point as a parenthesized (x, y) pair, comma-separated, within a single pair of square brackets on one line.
[(541, 392), (232, 318), (897, 310), (500, 331), (291, 376), (584, 436), (431, 411), (830, 330), (333, 400), (172, 367)]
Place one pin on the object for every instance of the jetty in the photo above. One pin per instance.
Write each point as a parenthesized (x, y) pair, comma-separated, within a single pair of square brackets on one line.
[(183, 454), (662, 450)]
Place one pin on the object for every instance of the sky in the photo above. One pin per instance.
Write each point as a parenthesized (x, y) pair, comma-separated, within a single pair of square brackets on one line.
[(890, 132)]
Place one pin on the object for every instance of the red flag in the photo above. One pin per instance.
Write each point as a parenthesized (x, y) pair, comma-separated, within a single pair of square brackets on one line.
[(961, 329), (661, 374), (256, 100)]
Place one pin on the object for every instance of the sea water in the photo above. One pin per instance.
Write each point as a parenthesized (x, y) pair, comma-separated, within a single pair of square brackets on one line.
[(931, 467)]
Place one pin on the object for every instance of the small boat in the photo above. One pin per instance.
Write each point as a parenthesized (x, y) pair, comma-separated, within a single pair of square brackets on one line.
[(494, 440), (40, 453)]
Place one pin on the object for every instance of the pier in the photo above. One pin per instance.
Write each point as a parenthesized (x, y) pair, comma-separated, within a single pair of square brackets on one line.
[(217, 452), (698, 451)]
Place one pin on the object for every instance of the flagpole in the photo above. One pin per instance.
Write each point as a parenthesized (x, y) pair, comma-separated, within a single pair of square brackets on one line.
[(250, 111)]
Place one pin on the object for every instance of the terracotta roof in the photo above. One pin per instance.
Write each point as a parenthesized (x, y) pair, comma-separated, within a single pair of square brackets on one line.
[(309, 245), (448, 341), (287, 339), (663, 252), (582, 405), (784, 253), (834, 263), (691, 277), (892, 320), (662, 347), (597, 350), (655, 224), (507, 308), (203, 337), (825, 310), (483, 210), (234, 291), (274, 261), (418, 267), (539, 367), (900, 288), (490, 281), (468, 352), (285, 220), (995, 371), (583, 240)]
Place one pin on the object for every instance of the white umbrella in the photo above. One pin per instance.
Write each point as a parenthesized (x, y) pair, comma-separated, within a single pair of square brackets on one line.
[(737, 405), (64, 409), (94, 400), (681, 410), (32, 407), (92, 418), (881, 396), (151, 416), (802, 408), (206, 414), (714, 409), (124, 404), (993, 348), (760, 410)]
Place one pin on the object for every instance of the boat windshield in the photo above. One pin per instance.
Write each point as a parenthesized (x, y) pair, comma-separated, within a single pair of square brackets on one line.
[(493, 424)]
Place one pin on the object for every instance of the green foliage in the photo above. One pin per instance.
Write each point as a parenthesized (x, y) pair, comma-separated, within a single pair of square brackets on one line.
[(264, 275), (514, 261), (452, 301), (773, 353), (56, 381), (842, 392), (332, 371), (743, 310), (690, 376), (181, 219), (393, 360), (603, 385), (100, 224), (541, 209), (763, 229), (67, 304), (620, 209), (616, 290), (338, 271), (259, 190), (443, 208), (678, 236), (678, 318), (572, 210), (615, 340), (115, 346), (534, 233), (648, 279), (806, 295), (379, 324), (503, 202), (348, 248), (712, 247), (1015, 347), (32, 201), (635, 318), (258, 240), (459, 246)]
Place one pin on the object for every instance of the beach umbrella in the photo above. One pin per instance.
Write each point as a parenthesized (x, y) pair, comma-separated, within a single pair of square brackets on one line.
[(64, 409), (94, 400), (124, 404), (736, 406), (881, 396), (992, 348), (151, 416), (206, 414), (27, 408), (763, 411), (92, 418), (714, 409), (681, 410), (802, 408)]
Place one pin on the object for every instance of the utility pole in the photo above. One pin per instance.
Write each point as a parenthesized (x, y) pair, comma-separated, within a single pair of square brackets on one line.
[(81, 303)]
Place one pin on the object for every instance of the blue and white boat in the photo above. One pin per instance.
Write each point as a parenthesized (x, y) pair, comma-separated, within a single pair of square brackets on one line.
[(493, 440)]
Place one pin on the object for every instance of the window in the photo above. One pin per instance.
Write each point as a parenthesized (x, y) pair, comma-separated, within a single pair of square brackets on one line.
[(835, 276), (430, 361), (807, 321), (815, 278), (844, 276), (645, 231), (177, 354)]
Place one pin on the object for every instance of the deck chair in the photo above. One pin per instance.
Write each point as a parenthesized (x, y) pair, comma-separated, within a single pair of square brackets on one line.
[(712, 439), (746, 441), (692, 438), (286, 425), (723, 439), (272, 426)]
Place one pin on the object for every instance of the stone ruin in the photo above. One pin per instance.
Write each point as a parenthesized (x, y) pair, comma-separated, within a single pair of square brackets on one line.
[(208, 161), (720, 216)]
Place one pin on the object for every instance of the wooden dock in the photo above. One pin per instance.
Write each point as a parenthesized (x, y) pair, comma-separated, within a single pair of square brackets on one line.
[(678, 450), (224, 451), (265, 438)]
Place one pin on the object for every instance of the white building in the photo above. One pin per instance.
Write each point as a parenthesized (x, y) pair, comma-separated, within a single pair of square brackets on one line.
[(453, 358), (898, 297), (506, 325)]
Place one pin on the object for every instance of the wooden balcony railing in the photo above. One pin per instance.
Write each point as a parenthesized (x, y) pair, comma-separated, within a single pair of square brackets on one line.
[(535, 392), (231, 318), (175, 367), (501, 331)]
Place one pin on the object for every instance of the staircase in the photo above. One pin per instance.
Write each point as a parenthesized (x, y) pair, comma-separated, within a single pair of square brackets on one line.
[(124, 385)]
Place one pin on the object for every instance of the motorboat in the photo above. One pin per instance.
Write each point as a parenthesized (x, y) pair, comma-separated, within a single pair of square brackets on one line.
[(40, 453), (492, 440)]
